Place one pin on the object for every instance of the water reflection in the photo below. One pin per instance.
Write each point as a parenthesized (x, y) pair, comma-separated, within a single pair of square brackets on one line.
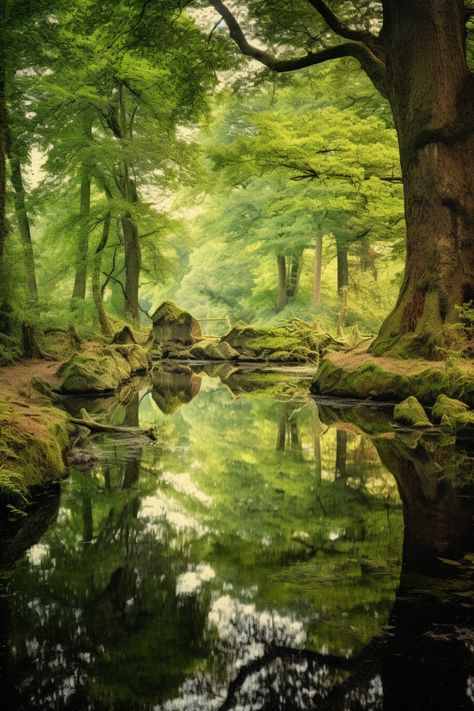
[(255, 558)]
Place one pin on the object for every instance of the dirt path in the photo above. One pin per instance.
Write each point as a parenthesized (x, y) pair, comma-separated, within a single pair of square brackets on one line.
[(14, 379)]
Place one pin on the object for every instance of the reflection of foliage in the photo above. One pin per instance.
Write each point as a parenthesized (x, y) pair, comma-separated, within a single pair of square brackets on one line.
[(239, 501)]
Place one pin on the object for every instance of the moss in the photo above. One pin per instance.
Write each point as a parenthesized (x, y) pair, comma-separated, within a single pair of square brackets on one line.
[(213, 350), (170, 323), (464, 424), (103, 368), (446, 410), (31, 451), (371, 381), (295, 344), (410, 412)]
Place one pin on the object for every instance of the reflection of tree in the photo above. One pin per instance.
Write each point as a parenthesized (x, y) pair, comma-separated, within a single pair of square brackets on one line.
[(288, 436), (425, 658)]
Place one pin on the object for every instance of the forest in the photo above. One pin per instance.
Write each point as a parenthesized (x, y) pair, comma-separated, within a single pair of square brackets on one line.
[(236, 342)]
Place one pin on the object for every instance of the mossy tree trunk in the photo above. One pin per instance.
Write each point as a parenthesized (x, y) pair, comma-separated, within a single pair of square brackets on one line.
[(23, 223), (430, 89)]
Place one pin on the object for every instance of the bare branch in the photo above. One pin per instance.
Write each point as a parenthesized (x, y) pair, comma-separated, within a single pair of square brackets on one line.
[(337, 26), (374, 67)]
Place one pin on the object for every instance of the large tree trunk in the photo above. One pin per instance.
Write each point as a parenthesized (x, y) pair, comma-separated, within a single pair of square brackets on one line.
[(317, 269), (23, 224), (281, 263), (132, 268), (430, 90), (3, 130)]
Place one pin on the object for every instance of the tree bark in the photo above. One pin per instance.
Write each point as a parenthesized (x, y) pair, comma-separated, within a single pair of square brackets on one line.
[(431, 94), (3, 130), (281, 263), (23, 224), (342, 266), (80, 277), (317, 269), (295, 265), (97, 293), (132, 268)]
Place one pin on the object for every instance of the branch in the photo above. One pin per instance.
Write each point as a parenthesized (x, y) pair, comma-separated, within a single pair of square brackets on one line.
[(374, 67), (337, 26)]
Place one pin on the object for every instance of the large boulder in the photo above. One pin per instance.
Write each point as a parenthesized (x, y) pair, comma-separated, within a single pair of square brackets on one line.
[(287, 343), (171, 324), (102, 368), (213, 350), (410, 412)]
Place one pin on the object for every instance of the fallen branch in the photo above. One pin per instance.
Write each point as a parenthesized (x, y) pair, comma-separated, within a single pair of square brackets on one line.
[(86, 421)]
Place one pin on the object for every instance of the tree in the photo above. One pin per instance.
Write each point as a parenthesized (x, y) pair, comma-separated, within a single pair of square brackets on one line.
[(415, 54)]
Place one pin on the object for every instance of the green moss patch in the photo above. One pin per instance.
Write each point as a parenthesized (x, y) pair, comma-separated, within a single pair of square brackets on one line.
[(103, 368), (280, 343), (410, 412), (369, 381)]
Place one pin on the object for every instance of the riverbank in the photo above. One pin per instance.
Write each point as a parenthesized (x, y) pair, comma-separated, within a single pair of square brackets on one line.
[(358, 374), (34, 433)]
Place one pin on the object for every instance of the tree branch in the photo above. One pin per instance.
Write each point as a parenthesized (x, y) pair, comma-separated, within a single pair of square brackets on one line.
[(337, 26), (374, 67)]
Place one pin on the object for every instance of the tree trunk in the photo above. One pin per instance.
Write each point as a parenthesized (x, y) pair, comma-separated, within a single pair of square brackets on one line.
[(23, 224), (3, 130), (80, 277), (430, 90), (342, 266), (132, 268), (281, 262), (317, 269), (295, 264), (97, 293)]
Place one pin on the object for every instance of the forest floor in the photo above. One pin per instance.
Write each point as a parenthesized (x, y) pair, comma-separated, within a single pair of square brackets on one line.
[(354, 358)]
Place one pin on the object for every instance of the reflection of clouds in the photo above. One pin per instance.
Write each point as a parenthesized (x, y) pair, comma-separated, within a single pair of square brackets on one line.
[(191, 581), (160, 506), (184, 485), (37, 553)]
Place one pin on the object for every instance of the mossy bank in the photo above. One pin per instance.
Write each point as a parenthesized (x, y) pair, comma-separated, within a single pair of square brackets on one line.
[(361, 376)]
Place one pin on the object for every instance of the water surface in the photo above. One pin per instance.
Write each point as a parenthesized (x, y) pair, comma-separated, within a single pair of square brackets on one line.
[(263, 554)]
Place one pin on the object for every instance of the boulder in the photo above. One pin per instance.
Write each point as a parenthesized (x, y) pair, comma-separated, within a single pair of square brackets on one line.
[(446, 410), (171, 324), (213, 350), (287, 343), (410, 412), (103, 368)]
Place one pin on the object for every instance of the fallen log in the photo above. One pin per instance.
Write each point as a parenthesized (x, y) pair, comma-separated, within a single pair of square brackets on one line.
[(86, 421)]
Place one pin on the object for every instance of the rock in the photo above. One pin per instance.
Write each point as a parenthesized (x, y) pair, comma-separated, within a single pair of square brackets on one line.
[(103, 368), (410, 412), (124, 336), (446, 410), (464, 424), (286, 344), (214, 350), (170, 324)]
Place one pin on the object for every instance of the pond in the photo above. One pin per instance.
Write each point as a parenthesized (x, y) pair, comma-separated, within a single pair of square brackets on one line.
[(267, 552)]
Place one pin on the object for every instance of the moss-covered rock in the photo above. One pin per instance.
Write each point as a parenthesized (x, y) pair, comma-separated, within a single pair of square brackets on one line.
[(213, 350), (446, 410), (370, 381), (411, 413), (170, 323), (278, 343), (31, 449), (464, 424), (102, 368)]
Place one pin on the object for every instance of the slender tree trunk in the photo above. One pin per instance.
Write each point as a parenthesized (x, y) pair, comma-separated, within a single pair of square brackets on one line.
[(281, 263), (294, 267), (80, 277), (23, 224), (132, 268), (342, 266), (430, 89), (317, 269), (97, 293)]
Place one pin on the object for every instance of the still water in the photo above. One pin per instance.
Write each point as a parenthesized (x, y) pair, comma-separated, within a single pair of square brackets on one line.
[(263, 554)]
